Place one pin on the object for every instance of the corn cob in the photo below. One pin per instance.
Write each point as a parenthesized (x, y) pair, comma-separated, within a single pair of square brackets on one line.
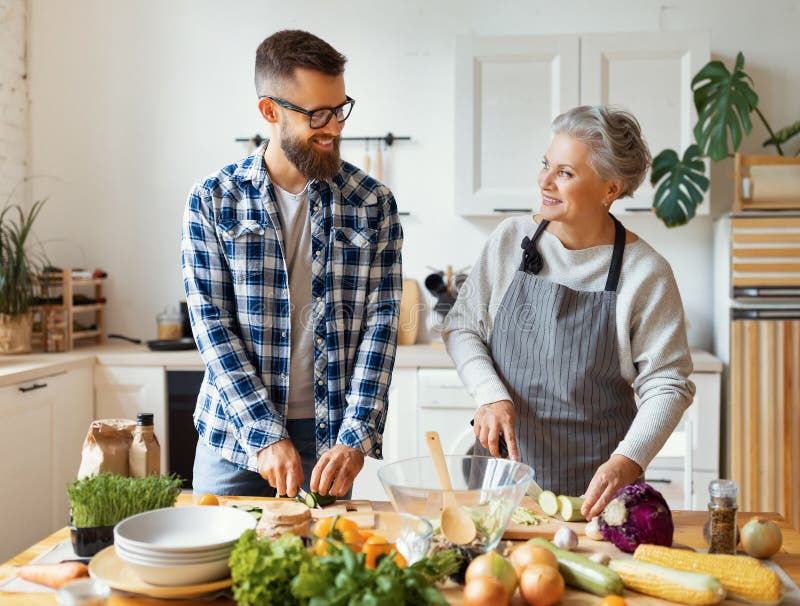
[(742, 577), (669, 584)]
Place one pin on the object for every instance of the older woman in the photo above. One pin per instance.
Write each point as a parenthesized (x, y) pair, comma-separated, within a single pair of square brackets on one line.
[(554, 339)]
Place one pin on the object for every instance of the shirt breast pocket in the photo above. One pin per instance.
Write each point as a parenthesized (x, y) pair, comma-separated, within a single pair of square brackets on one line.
[(353, 250), (244, 248)]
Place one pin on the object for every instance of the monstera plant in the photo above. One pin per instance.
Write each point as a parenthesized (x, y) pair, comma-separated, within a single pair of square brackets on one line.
[(724, 101)]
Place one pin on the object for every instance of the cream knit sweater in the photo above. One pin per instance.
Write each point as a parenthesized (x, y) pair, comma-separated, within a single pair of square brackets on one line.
[(651, 334)]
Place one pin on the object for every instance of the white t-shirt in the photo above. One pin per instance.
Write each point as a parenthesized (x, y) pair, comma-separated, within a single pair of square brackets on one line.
[(296, 225)]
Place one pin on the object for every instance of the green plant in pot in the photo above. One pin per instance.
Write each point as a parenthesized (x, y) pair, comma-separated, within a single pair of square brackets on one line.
[(21, 260), (98, 502), (725, 101)]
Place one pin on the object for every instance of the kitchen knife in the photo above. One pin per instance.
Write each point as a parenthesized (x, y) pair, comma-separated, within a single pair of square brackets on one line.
[(534, 490), (307, 498)]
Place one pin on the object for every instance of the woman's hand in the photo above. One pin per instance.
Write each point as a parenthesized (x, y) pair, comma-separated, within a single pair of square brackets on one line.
[(612, 475), (492, 420)]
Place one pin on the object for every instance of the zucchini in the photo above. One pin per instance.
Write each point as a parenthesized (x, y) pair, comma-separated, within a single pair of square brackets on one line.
[(548, 502), (570, 508), (579, 571)]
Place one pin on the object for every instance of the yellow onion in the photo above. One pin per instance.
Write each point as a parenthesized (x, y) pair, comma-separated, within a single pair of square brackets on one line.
[(492, 564), (761, 538)]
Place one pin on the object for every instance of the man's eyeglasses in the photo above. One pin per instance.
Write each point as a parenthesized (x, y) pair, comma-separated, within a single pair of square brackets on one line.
[(317, 118)]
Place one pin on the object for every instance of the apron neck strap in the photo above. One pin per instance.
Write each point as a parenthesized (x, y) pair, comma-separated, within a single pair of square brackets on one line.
[(531, 258), (616, 256)]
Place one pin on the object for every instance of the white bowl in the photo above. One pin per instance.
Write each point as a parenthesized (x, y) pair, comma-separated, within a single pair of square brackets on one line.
[(177, 575), (172, 559), (184, 529)]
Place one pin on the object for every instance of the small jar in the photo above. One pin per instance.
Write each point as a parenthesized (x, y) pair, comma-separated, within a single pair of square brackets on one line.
[(722, 513), (170, 324)]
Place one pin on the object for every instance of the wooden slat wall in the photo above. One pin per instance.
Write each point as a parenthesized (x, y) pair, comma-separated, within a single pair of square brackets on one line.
[(765, 415), (764, 251)]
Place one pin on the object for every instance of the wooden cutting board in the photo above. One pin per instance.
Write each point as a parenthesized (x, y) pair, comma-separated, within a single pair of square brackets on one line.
[(341, 507), (545, 530)]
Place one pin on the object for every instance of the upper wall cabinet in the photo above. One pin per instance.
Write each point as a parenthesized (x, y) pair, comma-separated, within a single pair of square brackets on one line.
[(509, 89)]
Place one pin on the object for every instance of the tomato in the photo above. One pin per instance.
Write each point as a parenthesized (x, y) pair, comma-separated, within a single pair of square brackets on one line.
[(612, 600), (208, 499)]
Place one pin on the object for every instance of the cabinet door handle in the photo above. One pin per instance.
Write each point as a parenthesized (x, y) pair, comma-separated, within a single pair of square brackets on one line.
[(659, 480), (32, 387)]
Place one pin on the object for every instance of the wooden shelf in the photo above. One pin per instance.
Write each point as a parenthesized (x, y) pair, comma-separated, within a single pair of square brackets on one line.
[(58, 333)]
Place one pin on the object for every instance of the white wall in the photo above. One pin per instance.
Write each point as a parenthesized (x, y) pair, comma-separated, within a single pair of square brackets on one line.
[(13, 102), (133, 101)]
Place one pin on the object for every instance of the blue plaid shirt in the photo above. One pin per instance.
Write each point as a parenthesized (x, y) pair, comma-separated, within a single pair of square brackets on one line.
[(234, 275)]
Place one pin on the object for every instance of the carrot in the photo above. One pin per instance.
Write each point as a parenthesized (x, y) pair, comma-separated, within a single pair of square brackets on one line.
[(53, 575)]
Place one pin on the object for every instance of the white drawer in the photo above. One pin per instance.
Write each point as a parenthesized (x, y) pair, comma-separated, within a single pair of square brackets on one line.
[(442, 388)]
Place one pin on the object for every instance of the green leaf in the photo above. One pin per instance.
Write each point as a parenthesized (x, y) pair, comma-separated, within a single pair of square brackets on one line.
[(681, 184), (724, 101), (783, 135)]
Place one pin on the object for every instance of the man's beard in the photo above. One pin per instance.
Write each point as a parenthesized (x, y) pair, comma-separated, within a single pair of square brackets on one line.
[(311, 163)]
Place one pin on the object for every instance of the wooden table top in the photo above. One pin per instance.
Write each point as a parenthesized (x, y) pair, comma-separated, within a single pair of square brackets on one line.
[(688, 531)]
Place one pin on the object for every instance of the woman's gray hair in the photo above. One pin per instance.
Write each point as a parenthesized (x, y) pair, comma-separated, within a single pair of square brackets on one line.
[(614, 137)]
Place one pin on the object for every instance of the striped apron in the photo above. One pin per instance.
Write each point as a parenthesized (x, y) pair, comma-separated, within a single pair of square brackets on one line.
[(556, 351)]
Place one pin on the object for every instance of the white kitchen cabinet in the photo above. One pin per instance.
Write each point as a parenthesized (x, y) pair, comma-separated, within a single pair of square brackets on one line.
[(509, 89), (121, 392), (399, 435), (43, 423)]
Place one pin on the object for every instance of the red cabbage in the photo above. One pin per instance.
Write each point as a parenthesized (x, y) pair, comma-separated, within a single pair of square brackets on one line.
[(637, 514)]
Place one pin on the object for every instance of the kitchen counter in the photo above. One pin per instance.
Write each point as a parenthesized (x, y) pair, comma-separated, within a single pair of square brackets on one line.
[(688, 532), (20, 368)]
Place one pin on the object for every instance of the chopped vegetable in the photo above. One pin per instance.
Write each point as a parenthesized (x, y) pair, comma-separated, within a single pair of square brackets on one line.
[(548, 501), (579, 571), (570, 508), (669, 584), (105, 499), (53, 575), (526, 517), (637, 514), (208, 499), (565, 538), (741, 576), (312, 499)]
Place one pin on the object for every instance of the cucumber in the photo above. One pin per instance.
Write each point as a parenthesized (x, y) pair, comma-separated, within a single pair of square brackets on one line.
[(570, 508), (548, 502), (579, 571)]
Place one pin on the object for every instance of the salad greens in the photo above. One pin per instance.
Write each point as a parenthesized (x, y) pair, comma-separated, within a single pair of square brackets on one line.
[(283, 571), (106, 498)]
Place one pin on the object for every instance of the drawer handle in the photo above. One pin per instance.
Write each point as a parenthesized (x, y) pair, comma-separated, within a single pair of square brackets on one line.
[(32, 387), (659, 480)]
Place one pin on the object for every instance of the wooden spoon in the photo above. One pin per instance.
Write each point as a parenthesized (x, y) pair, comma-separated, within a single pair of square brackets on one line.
[(458, 526)]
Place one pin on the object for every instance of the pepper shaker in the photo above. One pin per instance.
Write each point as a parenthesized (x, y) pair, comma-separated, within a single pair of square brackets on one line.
[(722, 511)]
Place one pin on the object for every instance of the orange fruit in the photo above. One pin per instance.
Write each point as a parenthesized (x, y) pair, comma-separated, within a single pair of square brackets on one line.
[(612, 600), (208, 499)]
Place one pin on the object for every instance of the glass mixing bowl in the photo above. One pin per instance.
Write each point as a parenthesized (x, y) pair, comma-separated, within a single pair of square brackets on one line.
[(488, 489)]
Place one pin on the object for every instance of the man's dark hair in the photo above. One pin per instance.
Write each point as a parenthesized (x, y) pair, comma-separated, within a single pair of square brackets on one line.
[(279, 55)]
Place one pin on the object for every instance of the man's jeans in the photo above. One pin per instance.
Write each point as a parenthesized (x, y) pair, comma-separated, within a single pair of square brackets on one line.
[(215, 475)]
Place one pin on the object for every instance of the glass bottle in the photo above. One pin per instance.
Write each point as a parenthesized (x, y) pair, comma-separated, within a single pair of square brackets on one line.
[(722, 511)]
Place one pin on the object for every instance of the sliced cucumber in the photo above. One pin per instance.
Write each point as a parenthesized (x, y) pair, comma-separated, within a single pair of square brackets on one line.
[(579, 571), (570, 508), (548, 501)]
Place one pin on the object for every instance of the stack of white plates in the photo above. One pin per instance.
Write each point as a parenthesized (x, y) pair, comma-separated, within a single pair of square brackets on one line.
[(181, 545)]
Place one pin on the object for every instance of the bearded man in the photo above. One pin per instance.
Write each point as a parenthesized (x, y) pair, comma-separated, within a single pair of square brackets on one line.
[(292, 273)]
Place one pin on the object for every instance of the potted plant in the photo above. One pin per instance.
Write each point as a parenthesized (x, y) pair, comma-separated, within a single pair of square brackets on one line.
[(724, 101), (20, 261)]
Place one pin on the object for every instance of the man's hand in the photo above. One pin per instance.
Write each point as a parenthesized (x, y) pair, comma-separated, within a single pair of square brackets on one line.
[(336, 470), (279, 464), (612, 475), (494, 419)]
